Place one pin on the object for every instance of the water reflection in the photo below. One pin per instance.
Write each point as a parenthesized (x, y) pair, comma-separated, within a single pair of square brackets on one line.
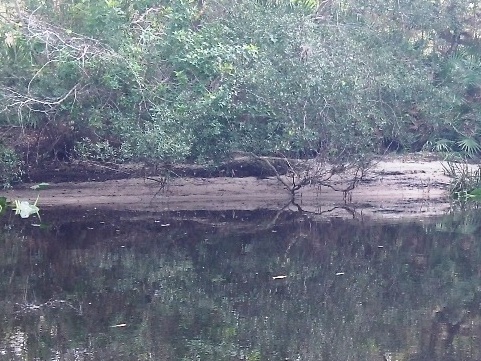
[(239, 286)]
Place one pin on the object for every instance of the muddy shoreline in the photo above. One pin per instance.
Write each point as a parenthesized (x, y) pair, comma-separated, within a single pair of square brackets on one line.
[(395, 187)]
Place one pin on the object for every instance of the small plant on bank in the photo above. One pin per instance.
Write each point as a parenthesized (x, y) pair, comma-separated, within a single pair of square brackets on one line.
[(469, 146), (458, 165), (465, 148), (465, 179)]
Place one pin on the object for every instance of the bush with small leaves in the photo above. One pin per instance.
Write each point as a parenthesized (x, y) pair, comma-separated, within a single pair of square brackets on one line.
[(11, 169)]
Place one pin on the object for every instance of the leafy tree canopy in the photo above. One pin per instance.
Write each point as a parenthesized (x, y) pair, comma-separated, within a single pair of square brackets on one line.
[(195, 80)]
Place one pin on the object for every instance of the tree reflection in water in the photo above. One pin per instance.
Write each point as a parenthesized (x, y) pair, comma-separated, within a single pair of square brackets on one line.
[(240, 286)]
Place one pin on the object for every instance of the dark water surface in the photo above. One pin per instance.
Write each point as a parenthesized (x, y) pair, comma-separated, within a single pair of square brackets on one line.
[(239, 286)]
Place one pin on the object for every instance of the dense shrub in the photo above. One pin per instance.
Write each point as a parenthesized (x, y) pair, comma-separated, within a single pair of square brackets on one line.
[(10, 167), (184, 80)]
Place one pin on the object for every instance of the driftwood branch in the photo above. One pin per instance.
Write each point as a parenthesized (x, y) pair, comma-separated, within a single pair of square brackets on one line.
[(319, 173)]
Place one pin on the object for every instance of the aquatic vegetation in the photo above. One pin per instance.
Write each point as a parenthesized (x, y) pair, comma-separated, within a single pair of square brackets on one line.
[(22, 208), (25, 209)]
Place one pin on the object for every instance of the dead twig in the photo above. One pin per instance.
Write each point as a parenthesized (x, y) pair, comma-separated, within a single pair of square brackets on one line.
[(319, 173)]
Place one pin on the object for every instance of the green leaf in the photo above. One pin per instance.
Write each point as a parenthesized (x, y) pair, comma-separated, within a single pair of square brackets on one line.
[(475, 193), (469, 145), (443, 145), (3, 205)]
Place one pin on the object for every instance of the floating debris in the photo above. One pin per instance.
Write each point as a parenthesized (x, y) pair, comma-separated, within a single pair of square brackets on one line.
[(40, 186), (119, 325)]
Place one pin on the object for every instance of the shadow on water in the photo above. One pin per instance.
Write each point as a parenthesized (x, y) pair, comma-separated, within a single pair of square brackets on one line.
[(237, 285)]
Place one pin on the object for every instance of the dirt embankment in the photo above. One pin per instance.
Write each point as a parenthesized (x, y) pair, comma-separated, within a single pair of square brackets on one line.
[(395, 187)]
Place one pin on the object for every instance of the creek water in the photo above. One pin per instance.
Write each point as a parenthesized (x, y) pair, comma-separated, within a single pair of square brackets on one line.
[(260, 285)]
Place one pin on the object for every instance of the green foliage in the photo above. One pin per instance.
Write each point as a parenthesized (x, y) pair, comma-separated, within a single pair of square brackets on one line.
[(465, 179), (442, 145), (191, 80), (470, 146), (3, 205), (461, 149), (99, 151), (10, 167)]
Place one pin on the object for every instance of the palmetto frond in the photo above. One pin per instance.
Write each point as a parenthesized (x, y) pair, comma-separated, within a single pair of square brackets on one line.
[(443, 145), (469, 145)]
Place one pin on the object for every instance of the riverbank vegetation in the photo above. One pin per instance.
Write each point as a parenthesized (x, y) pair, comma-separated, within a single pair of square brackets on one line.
[(193, 81)]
